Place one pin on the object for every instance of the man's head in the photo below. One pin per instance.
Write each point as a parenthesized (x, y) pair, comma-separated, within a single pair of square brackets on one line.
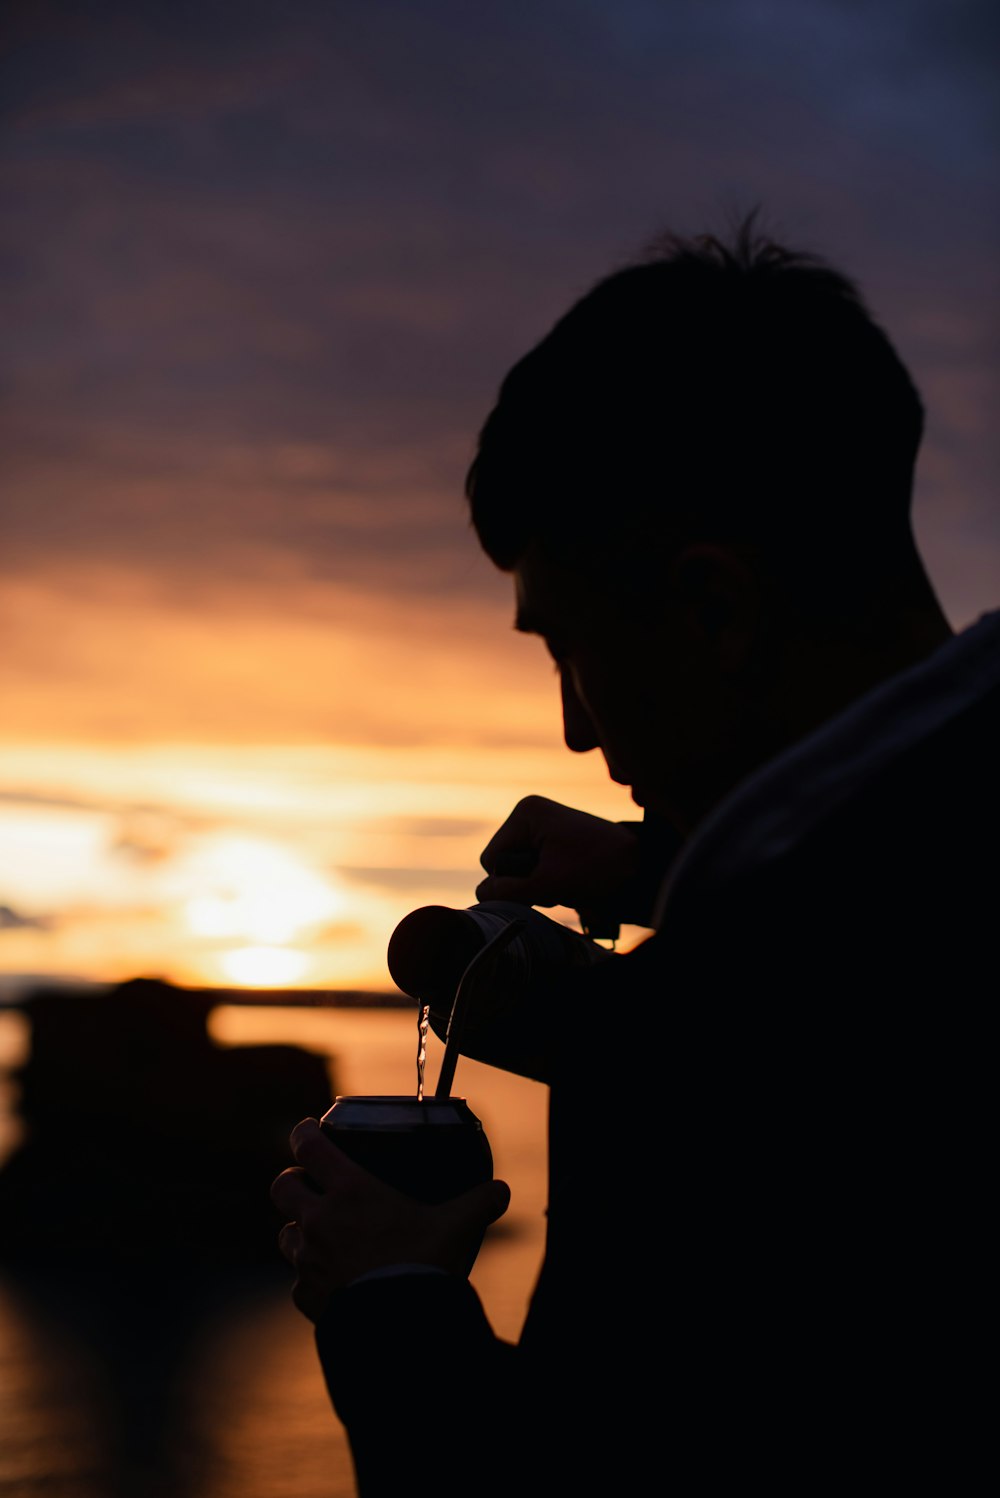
[(712, 451)]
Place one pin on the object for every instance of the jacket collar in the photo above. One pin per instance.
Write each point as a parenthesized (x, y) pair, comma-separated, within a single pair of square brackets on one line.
[(775, 807)]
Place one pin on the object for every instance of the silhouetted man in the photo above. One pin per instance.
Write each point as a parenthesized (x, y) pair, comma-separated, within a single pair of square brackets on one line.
[(767, 1246)]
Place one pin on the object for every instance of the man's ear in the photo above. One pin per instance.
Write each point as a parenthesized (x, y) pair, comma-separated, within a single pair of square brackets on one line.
[(717, 597)]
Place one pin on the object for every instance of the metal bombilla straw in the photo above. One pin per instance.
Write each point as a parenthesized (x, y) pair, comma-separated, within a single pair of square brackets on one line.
[(456, 1019)]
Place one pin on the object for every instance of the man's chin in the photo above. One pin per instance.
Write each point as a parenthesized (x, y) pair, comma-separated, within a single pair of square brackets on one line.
[(659, 807), (642, 795)]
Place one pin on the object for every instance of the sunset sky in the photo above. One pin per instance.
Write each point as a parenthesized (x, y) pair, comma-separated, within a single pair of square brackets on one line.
[(264, 267)]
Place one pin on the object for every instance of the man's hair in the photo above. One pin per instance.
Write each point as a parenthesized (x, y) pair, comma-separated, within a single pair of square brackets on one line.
[(735, 392)]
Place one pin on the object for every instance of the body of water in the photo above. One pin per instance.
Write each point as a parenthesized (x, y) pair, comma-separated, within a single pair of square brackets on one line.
[(153, 1381)]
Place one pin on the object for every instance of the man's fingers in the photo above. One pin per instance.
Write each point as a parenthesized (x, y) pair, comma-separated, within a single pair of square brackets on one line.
[(521, 891), (303, 1131), (516, 843), (489, 1200), (327, 1166), (517, 863), (318, 1156), (290, 1243), (292, 1192), (497, 1198)]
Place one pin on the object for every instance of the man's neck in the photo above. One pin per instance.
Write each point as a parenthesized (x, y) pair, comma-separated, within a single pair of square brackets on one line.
[(821, 678), (814, 680)]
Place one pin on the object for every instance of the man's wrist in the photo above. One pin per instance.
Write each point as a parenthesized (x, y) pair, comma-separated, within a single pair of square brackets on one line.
[(657, 845)]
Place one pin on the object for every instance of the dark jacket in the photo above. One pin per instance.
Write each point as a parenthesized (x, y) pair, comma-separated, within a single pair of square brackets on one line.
[(771, 1158)]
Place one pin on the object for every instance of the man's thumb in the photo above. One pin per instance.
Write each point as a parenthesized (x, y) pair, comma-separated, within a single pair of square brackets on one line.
[(490, 1200)]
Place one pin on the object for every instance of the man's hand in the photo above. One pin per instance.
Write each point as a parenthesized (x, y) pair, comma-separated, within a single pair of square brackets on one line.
[(549, 854), (343, 1221)]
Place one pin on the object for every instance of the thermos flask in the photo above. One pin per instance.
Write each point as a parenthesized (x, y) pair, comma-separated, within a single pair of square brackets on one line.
[(432, 948)]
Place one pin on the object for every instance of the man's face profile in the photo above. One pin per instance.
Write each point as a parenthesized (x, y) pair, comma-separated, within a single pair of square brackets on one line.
[(643, 677), (612, 699)]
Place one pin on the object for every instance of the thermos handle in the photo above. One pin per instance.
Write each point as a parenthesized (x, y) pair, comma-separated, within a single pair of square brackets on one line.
[(453, 1034)]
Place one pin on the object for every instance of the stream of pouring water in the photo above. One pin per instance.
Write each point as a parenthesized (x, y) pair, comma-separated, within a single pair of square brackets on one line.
[(423, 1024)]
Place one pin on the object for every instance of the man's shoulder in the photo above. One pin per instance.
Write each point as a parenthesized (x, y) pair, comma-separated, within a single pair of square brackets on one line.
[(905, 774)]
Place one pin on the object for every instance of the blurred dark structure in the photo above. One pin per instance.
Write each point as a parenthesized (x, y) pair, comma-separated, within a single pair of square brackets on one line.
[(144, 1139), (136, 1210)]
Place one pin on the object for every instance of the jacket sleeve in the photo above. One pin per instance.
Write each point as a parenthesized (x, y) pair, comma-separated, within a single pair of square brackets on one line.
[(425, 1389)]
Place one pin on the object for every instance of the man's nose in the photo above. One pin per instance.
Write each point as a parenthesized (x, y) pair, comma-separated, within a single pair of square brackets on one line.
[(578, 730)]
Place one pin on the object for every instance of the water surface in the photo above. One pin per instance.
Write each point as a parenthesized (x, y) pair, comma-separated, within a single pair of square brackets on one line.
[(208, 1386)]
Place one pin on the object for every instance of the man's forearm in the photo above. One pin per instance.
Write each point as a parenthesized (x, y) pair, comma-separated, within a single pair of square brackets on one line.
[(422, 1385)]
